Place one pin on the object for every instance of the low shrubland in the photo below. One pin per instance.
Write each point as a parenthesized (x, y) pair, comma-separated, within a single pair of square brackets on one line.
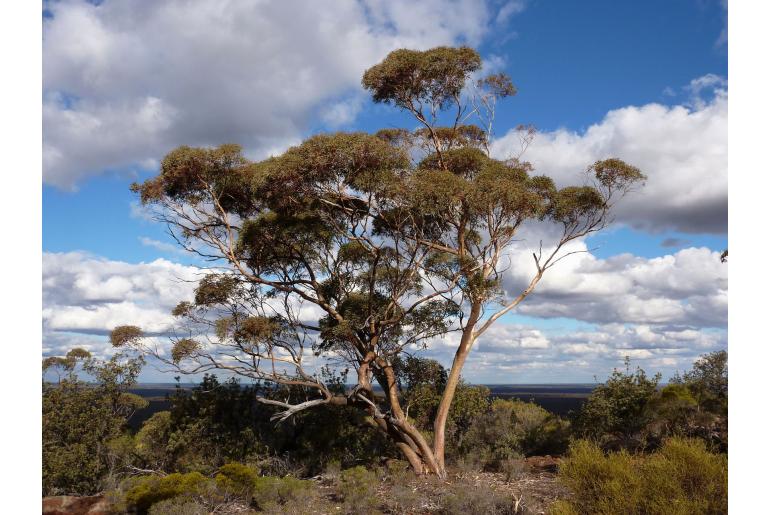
[(633, 444), (682, 477)]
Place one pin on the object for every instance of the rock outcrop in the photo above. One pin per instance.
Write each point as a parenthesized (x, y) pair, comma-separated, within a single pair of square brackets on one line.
[(71, 505)]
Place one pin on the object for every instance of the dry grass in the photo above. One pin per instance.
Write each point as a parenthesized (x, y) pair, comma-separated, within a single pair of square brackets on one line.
[(530, 492)]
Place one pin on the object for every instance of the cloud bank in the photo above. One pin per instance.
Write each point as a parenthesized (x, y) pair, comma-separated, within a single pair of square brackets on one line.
[(682, 150), (126, 81), (663, 312)]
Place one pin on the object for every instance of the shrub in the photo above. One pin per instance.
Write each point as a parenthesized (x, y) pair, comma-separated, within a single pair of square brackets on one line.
[(601, 484), (144, 491), (686, 478), (618, 411), (476, 500), (708, 381), (271, 491), (398, 470), (422, 382), (151, 443), (179, 506), (80, 420), (214, 424), (683, 477), (237, 479), (305, 501), (513, 469), (510, 430), (358, 487), (629, 411), (403, 498)]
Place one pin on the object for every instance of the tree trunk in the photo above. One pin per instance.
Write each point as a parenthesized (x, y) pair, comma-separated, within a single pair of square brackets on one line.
[(415, 449), (439, 424)]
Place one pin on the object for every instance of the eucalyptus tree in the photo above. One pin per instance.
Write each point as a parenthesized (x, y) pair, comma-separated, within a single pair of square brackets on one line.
[(355, 248)]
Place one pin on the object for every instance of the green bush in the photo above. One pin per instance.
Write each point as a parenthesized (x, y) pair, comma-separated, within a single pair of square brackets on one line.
[(144, 491), (179, 506), (304, 501), (509, 430), (601, 484), (271, 491), (476, 500), (708, 381), (618, 411), (358, 487), (686, 478), (81, 420), (237, 479), (683, 477), (152, 441), (629, 411)]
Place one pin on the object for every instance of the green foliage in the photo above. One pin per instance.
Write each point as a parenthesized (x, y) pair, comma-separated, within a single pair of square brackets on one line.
[(412, 372), (219, 423), (184, 169), (708, 381), (214, 289), (205, 428), (142, 492), (365, 229), (125, 335), (512, 429), (470, 402), (614, 173), (422, 382), (574, 203), (152, 442), (66, 364), (434, 76), (235, 485), (358, 487), (617, 412), (183, 348), (238, 479), (272, 491), (179, 506), (681, 478), (630, 411), (476, 499), (82, 423)]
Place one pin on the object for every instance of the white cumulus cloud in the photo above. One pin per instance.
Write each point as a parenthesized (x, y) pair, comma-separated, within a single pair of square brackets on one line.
[(682, 150), (126, 81)]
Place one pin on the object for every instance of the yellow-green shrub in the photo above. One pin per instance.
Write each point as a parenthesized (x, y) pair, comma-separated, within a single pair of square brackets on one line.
[(144, 491), (358, 487), (179, 506), (237, 479), (602, 484), (278, 490), (683, 477), (686, 478)]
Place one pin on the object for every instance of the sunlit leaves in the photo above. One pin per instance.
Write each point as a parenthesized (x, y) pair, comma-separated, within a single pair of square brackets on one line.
[(433, 76), (616, 174), (214, 289), (183, 348), (125, 335)]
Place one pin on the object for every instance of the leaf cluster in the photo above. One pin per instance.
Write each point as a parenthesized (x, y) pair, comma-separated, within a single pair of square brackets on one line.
[(434, 76)]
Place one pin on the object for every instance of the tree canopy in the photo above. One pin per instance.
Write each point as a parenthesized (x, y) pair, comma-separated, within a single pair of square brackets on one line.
[(353, 248)]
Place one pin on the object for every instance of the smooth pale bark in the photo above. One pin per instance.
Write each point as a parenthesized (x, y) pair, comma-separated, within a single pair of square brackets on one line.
[(403, 429), (439, 425)]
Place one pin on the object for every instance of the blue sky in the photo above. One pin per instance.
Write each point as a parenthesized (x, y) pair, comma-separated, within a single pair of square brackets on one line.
[(112, 108)]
